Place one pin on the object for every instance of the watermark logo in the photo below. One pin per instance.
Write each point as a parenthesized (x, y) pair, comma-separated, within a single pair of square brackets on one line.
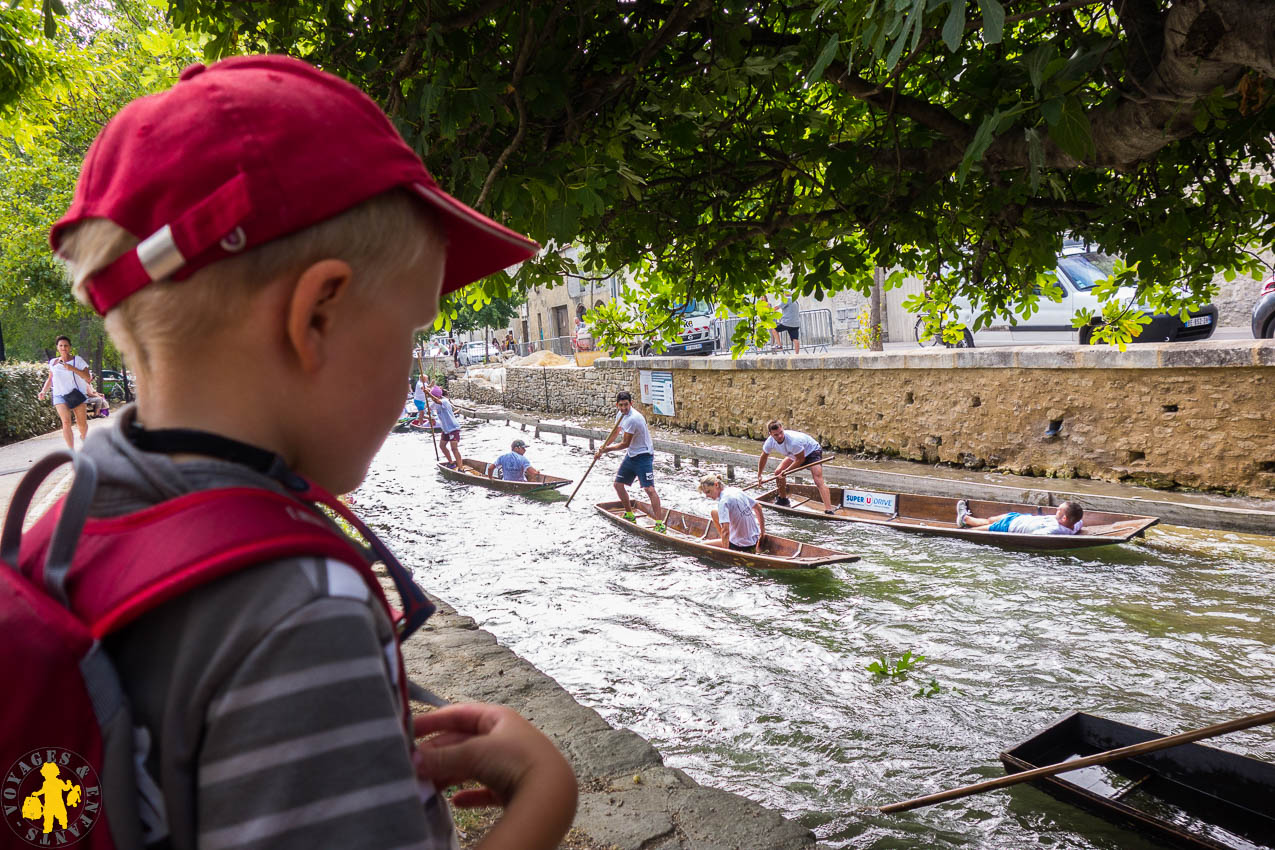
[(51, 797)]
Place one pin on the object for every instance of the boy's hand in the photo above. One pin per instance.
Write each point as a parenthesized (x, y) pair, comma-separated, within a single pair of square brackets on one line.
[(520, 767)]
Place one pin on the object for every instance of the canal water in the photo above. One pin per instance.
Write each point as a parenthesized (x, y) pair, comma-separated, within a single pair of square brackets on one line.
[(756, 682)]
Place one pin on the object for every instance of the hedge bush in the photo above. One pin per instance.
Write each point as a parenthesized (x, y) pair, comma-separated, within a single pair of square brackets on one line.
[(22, 415)]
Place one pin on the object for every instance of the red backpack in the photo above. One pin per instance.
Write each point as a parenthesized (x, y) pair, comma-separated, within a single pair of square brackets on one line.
[(65, 726)]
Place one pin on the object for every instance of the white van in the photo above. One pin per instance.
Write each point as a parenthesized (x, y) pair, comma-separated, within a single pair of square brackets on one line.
[(1080, 268)]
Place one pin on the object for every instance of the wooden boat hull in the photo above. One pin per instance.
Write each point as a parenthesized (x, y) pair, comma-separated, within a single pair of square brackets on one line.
[(1191, 795), (688, 533), (937, 515), (474, 473)]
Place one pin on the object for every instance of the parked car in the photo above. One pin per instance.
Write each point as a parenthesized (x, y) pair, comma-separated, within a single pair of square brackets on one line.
[(1079, 269), (113, 384), (1264, 311), (477, 351), (699, 332)]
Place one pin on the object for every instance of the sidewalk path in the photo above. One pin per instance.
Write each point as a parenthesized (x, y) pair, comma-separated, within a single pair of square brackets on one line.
[(17, 458)]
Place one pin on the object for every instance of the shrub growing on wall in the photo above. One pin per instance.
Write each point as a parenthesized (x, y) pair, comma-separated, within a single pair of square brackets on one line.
[(22, 415)]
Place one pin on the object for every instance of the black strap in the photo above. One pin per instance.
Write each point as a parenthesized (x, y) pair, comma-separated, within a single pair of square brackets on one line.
[(190, 441)]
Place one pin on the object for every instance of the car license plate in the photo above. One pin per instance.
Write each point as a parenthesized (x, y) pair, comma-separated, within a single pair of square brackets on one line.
[(1198, 320), (695, 346)]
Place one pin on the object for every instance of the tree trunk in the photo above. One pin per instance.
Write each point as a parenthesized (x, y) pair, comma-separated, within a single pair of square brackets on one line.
[(874, 310), (2, 355), (97, 360)]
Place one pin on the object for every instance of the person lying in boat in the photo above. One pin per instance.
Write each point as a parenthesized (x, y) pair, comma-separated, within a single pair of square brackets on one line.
[(798, 449), (1066, 520), (512, 465), (738, 517)]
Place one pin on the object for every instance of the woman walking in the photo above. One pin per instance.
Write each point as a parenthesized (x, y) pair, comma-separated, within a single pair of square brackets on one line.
[(69, 377)]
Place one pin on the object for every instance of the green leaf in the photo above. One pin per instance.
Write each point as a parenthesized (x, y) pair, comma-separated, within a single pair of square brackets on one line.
[(826, 56), (1038, 62), (993, 20), (982, 138), (913, 21), (954, 26), (1052, 110), (1072, 132), (1035, 155)]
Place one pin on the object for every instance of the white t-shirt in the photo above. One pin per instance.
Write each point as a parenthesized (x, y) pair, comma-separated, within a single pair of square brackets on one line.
[(736, 507), (635, 424), (64, 380), (1024, 524), (795, 443), (419, 393)]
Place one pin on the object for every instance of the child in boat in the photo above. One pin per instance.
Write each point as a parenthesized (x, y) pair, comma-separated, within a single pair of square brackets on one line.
[(418, 399), (512, 465), (1066, 520), (262, 232), (738, 517)]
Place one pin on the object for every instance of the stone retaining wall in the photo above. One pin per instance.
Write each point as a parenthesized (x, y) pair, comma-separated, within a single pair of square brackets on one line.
[(1196, 416), (563, 390)]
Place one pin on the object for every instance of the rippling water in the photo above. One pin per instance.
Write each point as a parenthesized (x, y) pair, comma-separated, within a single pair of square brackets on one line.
[(755, 681)]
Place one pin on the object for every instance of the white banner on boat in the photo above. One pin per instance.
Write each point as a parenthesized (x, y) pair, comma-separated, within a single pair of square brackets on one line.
[(865, 500)]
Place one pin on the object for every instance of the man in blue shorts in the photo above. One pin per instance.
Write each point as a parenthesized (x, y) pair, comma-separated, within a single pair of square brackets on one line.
[(639, 457), (512, 466), (1065, 520)]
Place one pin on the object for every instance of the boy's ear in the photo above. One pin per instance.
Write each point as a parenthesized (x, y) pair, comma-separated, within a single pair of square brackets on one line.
[(321, 290)]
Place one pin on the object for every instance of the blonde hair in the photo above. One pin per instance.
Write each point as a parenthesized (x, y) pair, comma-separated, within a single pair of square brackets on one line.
[(710, 480), (377, 236)]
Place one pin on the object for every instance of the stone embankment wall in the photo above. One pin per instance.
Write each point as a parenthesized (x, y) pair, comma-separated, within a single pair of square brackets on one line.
[(561, 390), (1199, 416)]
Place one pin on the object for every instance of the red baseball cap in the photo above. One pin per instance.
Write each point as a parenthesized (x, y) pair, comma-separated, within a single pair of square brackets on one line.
[(249, 150)]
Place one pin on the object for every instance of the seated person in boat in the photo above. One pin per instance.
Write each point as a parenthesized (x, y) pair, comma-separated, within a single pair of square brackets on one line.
[(512, 465), (798, 449), (1066, 520), (441, 408), (738, 517)]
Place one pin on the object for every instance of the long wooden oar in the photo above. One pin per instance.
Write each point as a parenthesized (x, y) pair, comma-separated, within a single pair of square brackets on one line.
[(789, 472), (430, 416), (605, 442), (1089, 761)]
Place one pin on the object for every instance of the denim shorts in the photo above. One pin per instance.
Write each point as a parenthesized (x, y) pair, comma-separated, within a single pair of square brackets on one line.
[(1002, 524), (61, 399), (641, 467)]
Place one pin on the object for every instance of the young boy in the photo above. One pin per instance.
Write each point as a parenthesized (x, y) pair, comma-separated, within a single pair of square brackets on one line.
[(264, 247)]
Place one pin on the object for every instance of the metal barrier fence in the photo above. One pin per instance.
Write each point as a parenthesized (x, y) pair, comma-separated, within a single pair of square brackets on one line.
[(560, 345), (816, 334)]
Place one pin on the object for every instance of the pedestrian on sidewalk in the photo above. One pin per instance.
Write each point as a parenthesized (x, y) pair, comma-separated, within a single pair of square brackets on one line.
[(70, 378), (790, 321)]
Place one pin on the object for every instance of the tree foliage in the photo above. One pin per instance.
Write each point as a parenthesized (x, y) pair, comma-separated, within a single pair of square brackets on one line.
[(723, 150), (98, 58)]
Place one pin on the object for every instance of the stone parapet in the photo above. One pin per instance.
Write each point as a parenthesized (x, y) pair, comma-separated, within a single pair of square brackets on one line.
[(1196, 416)]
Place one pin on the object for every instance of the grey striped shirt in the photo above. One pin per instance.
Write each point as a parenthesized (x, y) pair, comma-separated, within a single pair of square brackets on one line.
[(269, 696)]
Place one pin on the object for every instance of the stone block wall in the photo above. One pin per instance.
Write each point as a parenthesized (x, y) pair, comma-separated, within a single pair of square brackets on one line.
[(566, 391)]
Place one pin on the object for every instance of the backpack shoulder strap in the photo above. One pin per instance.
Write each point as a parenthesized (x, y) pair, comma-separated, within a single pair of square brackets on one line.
[(125, 566)]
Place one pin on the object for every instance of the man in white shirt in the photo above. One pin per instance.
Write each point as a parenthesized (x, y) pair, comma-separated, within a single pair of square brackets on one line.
[(738, 517), (1066, 520), (639, 457), (798, 449)]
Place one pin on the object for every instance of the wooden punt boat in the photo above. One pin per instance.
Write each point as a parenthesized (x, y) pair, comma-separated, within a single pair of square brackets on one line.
[(1189, 795), (689, 532), (937, 515), (475, 472)]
